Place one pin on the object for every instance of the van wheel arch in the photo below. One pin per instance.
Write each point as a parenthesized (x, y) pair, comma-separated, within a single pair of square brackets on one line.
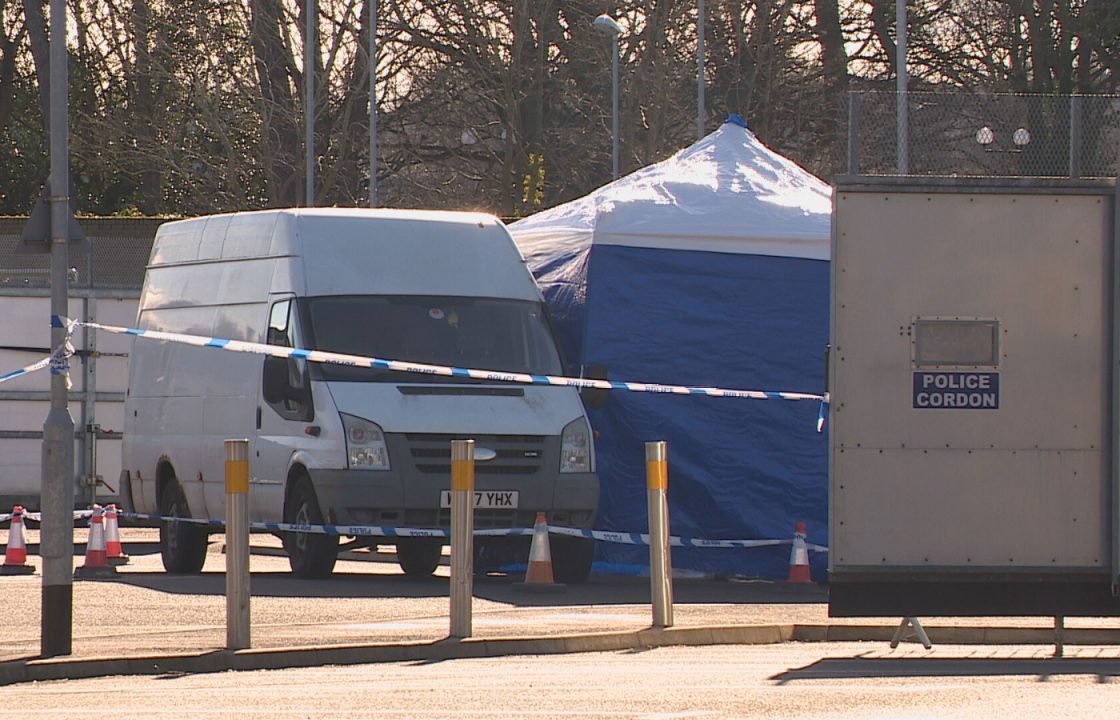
[(296, 474), (165, 474)]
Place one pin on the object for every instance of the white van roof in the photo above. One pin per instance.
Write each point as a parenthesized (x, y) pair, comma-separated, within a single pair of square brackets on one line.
[(339, 251)]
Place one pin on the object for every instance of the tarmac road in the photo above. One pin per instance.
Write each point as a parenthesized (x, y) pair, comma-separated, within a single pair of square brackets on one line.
[(147, 621), (147, 611), (852, 681)]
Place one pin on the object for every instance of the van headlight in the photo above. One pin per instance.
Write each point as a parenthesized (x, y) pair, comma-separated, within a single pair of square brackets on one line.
[(575, 447), (365, 444)]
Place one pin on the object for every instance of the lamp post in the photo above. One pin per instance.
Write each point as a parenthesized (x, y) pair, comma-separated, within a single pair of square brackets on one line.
[(902, 121), (605, 23), (373, 104), (57, 489), (700, 69), (310, 47)]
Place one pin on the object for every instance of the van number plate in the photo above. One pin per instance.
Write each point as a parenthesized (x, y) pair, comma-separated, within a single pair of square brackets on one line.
[(486, 499)]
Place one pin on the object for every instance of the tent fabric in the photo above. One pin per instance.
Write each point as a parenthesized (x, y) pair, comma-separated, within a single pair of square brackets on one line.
[(708, 269)]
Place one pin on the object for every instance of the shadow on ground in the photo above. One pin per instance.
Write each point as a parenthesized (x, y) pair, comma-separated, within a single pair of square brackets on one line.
[(598, 590), (860, 667)]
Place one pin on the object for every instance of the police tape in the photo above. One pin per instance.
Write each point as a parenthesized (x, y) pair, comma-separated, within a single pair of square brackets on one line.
[(38, 516), (58, 360), (445, 370), (395, 532), (27, 370), (59, 363)]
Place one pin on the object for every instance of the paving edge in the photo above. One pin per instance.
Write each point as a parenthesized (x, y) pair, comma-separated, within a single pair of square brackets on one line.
[(32, 670)]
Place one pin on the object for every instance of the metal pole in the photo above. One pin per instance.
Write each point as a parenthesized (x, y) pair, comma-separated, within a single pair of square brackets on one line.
[(1075, 136), (614, 106), (373, 103), (310, 47), (462, 536), (1114, 435), (660, 567), (89, 391), (57, 490), (903, 128), (700, 69), (237, 544), (854, 100)]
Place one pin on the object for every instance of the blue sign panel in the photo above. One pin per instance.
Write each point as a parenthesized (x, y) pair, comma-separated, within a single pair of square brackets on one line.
[(956, 391)]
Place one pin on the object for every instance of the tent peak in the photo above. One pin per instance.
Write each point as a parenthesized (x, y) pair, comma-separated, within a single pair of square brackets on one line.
[(734, 119)]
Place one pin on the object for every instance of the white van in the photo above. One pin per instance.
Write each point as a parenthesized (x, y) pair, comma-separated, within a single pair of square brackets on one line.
[(341, 444)]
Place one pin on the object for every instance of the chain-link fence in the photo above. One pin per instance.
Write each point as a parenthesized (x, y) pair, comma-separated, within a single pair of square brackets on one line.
[(114, 254), (984, 135)]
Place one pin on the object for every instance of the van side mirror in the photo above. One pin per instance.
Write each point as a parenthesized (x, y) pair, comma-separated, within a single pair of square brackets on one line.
[(275, 380), (595, 398)]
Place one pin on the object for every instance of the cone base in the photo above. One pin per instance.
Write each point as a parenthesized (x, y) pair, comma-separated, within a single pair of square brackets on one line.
[(799, 574), (118, 560), (17, 569), (91, 572)]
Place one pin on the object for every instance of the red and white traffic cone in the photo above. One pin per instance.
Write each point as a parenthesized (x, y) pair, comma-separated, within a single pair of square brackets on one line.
[(799, 556), (97, 563), (538, 574), (113, 552), (15, 557)]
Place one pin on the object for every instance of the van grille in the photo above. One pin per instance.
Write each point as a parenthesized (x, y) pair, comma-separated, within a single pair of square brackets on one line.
[(516, 454)]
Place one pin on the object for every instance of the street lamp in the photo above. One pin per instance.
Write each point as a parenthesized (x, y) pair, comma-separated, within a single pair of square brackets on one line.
[(700, 69), (310, 47), (605, 23)]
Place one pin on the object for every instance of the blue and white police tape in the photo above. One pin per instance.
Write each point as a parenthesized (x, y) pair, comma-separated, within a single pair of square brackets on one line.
[(58, 361), (445, 370), (37, 365), (60, 358), (395, 532), (38, 516), (59, 364)]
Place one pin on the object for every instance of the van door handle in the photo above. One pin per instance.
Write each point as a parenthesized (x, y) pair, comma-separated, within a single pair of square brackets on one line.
[(258, 417)]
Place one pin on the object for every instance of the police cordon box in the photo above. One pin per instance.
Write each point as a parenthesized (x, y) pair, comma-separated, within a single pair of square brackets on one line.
[(973, 458)]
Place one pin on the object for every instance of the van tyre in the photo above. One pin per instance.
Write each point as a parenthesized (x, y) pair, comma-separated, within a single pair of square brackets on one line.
[(311, 555), (571, 559), (419, 557), (182, 546)]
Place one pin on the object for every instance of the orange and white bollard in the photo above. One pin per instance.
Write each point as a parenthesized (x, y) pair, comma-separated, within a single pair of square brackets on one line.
[(15, 557), (462, 538), (113, 552), (799, 557), (657, 508), (97, 562)]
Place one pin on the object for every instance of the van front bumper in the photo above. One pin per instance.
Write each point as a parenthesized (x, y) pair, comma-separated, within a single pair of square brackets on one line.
[(395, 499)]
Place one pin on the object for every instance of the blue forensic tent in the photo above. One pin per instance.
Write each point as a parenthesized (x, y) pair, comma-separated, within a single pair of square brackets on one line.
[(708, 269)]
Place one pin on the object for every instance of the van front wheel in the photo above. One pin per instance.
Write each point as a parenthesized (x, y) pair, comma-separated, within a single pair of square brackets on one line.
[(311, 555), (182, 545)]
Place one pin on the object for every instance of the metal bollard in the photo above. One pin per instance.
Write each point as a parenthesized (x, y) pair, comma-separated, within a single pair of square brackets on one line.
[(237, 544), (660, 567), (462, 536)]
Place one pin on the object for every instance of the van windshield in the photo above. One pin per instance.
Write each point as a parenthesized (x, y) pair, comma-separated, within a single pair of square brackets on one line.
[(482, 333)]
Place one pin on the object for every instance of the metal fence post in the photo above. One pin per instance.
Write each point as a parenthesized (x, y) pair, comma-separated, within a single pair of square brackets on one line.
[(1075, 136), (660, 567), (462, 536), (854, 100), (237, 544)]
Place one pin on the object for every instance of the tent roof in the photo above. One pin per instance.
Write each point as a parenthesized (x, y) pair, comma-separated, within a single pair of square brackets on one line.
[(726, 193)]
